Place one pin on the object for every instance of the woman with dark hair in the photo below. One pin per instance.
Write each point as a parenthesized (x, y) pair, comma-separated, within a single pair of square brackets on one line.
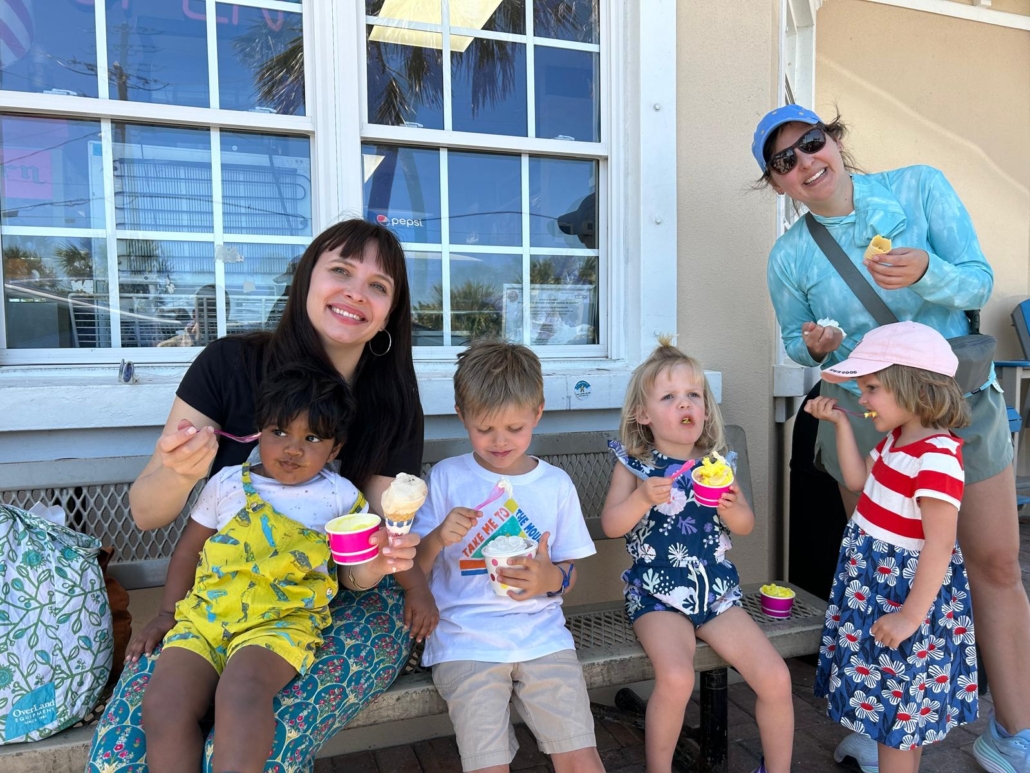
[(348, 314), (932, 272)]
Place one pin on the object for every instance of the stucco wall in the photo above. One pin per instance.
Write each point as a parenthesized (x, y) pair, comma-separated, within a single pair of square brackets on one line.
[(920, 88), (726, 231)]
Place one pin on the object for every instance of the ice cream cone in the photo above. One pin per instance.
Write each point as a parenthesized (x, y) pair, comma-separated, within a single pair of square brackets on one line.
[(401, 501)]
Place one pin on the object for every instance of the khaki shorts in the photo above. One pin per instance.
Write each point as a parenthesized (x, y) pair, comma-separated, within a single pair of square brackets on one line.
[(549, 693), (988, 443)]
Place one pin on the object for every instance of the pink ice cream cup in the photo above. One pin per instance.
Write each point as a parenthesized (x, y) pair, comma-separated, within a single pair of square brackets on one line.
[(709, 495), (777, 606), (348, 538)]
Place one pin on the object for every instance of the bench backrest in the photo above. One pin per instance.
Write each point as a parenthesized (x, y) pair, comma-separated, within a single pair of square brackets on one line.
[(95, 493)]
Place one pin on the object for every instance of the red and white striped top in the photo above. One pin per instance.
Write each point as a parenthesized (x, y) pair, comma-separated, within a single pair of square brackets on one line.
[(889, 506)]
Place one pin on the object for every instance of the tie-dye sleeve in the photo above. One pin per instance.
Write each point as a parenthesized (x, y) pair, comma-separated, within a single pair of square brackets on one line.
[(958, 276), (789, 301)]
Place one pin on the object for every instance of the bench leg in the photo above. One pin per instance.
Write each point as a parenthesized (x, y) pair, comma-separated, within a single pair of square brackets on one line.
[(714, 739)]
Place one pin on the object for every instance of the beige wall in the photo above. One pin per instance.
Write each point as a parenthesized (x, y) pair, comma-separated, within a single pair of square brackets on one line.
[(919, 88), (726, 80)]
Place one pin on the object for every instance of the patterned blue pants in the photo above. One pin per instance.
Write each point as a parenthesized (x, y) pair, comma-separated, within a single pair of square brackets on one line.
[(365, 648)]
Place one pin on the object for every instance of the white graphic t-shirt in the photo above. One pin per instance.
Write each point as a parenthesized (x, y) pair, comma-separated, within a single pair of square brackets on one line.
[(475, 623)]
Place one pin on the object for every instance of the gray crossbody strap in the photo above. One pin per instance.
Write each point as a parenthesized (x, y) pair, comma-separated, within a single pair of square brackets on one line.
[(849, 272)]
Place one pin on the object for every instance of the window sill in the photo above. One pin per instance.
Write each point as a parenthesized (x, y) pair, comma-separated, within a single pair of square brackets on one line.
[(55, 399)]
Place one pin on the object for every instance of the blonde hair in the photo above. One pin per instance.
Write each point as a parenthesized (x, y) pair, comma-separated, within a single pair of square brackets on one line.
[(637, 438), (935, 398), (492, 375)]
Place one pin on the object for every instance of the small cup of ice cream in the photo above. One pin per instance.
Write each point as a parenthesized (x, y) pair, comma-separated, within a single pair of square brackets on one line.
[(712, 478), (776, 600), (348, 538), (499, 552)]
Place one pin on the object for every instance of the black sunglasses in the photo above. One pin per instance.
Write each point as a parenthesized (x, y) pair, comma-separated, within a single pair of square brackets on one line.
[(811, 142)]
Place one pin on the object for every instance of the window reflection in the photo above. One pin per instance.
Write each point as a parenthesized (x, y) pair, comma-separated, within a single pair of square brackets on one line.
[(257, 283), (402, 190), (405, 81), (39, 55), (162, 178), (563, 308), (166, 293), (157, 52), (480, 285), (52, 173), (567, 99), (488, 87), (563, 203), (493, 15), (425, 279), (55, 293), (266, 184), (485, 194), (260, 60), (576, 20)]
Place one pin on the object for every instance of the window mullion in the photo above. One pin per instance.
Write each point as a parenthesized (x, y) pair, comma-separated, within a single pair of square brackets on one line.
[(217, 210), (526, 259), (445, 10), (214, 100), (445, 252), (530, 74), (103, 80), (110, 225)]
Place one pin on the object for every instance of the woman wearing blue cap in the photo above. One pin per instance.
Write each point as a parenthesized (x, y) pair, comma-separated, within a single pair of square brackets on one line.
[(931, 273)]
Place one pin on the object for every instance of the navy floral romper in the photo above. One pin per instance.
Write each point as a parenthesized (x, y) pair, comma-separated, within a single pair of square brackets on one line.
[(678, 550)]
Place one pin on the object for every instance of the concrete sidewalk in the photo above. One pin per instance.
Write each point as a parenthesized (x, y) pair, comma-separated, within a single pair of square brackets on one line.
[(622, 749)]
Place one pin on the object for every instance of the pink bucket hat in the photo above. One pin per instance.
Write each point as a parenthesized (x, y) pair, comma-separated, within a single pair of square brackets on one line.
[(903, 343)]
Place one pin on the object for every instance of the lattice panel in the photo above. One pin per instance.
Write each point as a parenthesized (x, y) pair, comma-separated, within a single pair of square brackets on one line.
[(607, 628), (103, 512)]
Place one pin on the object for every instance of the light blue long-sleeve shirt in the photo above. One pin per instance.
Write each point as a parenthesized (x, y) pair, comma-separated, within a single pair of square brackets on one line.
[(914, 207)]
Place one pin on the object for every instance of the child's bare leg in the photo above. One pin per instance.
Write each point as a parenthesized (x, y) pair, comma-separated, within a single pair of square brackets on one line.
[(897, 761), (668, 639), (740, 641), (579, 761), (244, 722), (176, 699)]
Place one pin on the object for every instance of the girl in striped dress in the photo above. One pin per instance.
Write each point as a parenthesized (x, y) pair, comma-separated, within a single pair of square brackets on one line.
[(898, 661)]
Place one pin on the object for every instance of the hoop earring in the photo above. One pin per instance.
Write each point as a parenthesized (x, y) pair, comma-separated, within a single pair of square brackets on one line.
[(389, 344)]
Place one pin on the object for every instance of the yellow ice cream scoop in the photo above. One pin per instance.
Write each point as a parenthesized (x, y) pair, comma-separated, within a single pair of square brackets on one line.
[(713, 471), (878, 246), (777, 591)]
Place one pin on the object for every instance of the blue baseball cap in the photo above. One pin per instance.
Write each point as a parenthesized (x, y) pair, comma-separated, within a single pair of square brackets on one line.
[(775, 119)]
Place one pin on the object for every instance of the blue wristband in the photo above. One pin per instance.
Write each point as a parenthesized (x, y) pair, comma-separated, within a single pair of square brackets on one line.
[(566, 578)]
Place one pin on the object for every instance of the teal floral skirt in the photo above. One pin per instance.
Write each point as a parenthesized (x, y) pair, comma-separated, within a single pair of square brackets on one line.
[(365, 648)]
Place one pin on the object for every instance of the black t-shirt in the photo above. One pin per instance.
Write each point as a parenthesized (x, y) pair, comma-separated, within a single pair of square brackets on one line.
[(221, 383)]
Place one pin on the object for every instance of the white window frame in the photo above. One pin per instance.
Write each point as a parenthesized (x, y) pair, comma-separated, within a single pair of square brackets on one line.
[(108, 111), (640, 290)]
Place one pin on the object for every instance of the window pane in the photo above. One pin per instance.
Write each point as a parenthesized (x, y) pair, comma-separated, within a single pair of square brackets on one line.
[(563, 203), (37, 54), (563, 306), (266, 184), (167, 293), (566, 20), (567, 102), (157, 51), (55, 293), (257, 281), (162, 178), (260, 60), (494, 15), (488, 87), (425, 278), (405, 77), (478, 287), (52, 173), (402, 190), (485, 198)]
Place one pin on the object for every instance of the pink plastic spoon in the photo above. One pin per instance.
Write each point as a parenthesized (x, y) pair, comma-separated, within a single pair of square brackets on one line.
[(239, 438), (500, 487), (864, 415)]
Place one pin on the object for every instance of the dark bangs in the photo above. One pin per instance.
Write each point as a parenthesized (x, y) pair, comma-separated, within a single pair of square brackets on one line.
[(301, 390)]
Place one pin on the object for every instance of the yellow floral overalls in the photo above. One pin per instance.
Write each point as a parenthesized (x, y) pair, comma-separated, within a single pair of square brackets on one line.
[(263, 580)]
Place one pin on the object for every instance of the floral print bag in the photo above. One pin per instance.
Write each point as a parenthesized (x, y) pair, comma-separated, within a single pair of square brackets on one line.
[(55, 626)]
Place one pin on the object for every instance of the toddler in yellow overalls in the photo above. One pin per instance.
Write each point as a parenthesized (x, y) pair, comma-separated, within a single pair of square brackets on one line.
[(251, 578)]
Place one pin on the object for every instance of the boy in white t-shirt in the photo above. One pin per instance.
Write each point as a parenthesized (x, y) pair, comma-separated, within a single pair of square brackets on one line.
[(489, 649)]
